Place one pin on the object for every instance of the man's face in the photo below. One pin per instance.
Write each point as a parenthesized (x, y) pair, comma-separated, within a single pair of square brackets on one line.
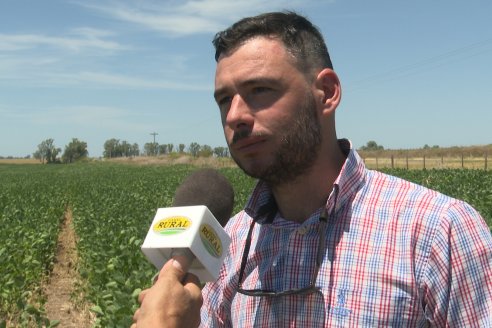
[(268, 111)]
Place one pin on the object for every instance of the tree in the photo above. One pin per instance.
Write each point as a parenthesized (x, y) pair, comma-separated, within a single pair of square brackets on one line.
[(221, 151), (112, 148), (205, 151), (135, 150), (47, 151), (170, 148), (125, 148), (75, 151), (37, 155), (162, 149), (150, 148), (194, 149), (181, 148), (372, 145)]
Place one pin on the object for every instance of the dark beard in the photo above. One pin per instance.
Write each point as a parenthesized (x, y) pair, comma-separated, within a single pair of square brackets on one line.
[(298, 150)]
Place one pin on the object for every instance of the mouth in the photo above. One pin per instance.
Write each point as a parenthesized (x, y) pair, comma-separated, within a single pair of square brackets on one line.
[(247, 144)]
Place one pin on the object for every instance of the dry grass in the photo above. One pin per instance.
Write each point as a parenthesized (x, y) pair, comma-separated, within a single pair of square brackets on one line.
[(175, 159), (429, 163), (19, 161), (472, 157)]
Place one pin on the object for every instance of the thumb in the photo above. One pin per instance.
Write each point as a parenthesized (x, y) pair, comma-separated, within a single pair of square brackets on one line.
[(173, 269)]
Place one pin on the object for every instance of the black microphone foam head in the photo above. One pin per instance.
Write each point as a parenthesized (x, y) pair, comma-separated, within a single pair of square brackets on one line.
[(210, 188)]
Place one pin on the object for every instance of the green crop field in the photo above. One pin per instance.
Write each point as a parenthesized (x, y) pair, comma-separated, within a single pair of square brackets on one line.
[(112, 206)]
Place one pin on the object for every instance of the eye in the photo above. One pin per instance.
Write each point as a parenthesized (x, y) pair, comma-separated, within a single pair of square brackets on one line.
[(257, 90), (224, 102)]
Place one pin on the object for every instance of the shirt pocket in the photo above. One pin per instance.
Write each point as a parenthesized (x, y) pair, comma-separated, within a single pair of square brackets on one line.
[(371, 307)]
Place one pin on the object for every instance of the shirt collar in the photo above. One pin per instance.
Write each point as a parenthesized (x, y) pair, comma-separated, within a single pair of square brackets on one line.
[(262, 206), (352, 176)]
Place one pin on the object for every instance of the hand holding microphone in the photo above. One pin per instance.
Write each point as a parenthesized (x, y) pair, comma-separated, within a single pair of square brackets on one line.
[(191, 230), (174, 300)]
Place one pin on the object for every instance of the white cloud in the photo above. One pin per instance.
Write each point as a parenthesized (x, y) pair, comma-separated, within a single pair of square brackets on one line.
[(175, 23), (91, 58), (230, 10), (92, 33), (28, 75), (13, 63), (165, 18), (36, 69), (179, 18), (116, 80), (84, 38), (97, 117)]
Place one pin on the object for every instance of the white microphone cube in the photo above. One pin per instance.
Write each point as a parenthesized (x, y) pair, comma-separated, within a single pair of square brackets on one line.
[(189, 227)]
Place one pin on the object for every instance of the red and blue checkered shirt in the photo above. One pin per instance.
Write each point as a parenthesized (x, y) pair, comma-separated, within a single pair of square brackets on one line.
[(396, 254)]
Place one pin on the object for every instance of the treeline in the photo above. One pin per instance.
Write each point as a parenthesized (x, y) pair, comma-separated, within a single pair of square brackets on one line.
[(48, 152), (76, 150), (115, 148)]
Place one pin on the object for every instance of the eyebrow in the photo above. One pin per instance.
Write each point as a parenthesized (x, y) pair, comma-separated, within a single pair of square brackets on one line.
[(253, 81), (218, 93)]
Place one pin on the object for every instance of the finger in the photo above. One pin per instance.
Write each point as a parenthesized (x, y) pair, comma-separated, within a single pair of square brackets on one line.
[(142, 294), (135, 317), (184, 256), (191, 278), (155, 277), (172, 270), (192, 284)]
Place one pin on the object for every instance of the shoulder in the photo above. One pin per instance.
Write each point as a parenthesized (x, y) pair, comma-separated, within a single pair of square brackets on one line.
[(392, 197), (385, 186)]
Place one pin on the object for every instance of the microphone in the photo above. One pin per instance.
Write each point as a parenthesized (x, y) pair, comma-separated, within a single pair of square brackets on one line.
[(207, 187), (191, 229)]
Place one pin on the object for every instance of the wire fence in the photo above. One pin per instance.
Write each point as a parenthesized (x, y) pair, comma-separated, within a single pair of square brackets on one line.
[(428, 162)]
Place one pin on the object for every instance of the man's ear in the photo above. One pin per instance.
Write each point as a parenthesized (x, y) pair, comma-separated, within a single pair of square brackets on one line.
[(329, 90)]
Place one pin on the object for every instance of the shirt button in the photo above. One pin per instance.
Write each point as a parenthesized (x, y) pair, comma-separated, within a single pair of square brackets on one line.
[(302, 230)]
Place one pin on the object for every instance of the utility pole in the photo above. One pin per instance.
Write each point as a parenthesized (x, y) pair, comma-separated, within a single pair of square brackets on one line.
[(154, 146), (154, 134)]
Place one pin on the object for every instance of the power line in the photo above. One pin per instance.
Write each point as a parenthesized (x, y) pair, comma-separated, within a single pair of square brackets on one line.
[(446, 58)]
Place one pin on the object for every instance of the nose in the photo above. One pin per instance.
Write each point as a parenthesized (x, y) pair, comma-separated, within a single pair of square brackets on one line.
[(239, 116)]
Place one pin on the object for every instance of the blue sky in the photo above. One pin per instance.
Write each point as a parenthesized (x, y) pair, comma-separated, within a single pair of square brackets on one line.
[(412, 72)]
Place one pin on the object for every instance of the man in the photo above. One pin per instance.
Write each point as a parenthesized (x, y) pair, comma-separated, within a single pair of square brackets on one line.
[(322, 241)]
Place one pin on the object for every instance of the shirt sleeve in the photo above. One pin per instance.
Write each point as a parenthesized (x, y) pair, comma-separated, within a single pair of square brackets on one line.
[(458, 280)]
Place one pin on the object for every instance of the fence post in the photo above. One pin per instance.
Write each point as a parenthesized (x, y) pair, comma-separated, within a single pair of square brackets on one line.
[(407, 160), (486, 155), (377, 163), (462, 162), (392, 162), (424, 161)]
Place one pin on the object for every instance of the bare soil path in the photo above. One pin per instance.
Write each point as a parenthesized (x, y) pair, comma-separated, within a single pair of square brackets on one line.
[(61, 285)]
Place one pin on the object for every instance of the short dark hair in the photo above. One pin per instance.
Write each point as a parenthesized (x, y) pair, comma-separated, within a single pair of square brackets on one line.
[(301, 38)]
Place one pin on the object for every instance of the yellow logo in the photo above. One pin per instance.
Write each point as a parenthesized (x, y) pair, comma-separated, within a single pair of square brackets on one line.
[(171, 225), (210, 240)]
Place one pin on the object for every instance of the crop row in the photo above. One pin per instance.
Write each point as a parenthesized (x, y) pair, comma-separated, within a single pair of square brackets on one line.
[(31, 208)]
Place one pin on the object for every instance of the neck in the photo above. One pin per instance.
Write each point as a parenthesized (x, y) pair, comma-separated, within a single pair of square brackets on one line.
[(297, 200)]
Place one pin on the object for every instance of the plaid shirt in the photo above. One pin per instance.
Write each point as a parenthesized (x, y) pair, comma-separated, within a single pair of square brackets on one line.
[(396, 254)]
